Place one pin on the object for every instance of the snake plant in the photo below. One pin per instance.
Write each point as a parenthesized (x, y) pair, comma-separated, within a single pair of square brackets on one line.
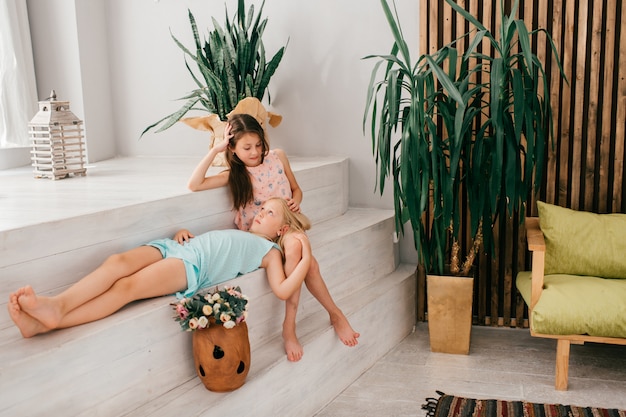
[(229, 65), (473, 131)]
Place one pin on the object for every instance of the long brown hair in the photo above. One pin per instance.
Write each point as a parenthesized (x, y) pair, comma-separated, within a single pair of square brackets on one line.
[(239, 180)]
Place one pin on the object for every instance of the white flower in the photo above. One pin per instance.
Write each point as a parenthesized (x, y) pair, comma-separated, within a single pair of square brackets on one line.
[(203, 322), (224, 317), (216, 307), (193, 323), (229, 324), (207, 310), (216, 296)]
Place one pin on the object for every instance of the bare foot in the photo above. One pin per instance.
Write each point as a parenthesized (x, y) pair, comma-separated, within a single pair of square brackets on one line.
[(28, 325), (293, 348), (40, 308), (346, 334)]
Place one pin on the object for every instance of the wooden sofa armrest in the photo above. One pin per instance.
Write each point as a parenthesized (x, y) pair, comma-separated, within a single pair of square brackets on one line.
[(537, 245)]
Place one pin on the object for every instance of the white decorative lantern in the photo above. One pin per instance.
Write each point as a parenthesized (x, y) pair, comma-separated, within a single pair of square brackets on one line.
[(57, 142)]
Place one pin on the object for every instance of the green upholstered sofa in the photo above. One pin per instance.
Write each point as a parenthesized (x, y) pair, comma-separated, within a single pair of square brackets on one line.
[(576, 290)]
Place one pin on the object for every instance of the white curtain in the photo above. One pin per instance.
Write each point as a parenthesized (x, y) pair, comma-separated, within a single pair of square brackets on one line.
[(18, 93)]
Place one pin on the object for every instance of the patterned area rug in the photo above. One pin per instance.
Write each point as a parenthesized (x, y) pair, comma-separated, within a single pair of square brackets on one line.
[(451, 406)]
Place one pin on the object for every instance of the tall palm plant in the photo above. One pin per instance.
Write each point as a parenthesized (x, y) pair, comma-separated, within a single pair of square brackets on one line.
[(230, 65), (473, 131)]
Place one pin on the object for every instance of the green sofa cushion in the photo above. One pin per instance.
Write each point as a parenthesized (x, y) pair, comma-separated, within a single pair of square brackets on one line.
[(577, 305), (583, 243)]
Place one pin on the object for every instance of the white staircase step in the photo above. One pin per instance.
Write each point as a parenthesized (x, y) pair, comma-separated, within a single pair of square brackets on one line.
[(126, 359), (137, 361), (277, 387)]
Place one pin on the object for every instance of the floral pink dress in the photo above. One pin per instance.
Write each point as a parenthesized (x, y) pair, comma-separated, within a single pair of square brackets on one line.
[(268, 180)]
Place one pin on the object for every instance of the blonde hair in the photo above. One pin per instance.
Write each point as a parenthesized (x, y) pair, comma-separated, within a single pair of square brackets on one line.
[(297, 222)]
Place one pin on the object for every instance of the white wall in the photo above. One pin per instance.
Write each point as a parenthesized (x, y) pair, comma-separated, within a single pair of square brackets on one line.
[(117, 64), (71, 56)]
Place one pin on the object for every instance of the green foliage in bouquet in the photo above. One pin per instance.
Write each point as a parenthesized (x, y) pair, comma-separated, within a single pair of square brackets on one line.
[(227, 307)]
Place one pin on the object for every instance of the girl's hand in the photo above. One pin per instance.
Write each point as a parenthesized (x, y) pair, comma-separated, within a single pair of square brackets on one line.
[(293, 205), (221, 145), (227, 134), (183, 236)]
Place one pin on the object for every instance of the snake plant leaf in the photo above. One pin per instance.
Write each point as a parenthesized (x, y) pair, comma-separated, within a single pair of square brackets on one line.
[(183, 47), (241, 12), (194, 29), (174, 117), (270, 69)]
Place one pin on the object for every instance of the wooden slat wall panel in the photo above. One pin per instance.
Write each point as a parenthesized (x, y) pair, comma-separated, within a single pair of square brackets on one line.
[(615, 129), (556, 83), (605, 204), (585, 164)]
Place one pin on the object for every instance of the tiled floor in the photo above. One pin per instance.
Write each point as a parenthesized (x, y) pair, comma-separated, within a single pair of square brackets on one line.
[(503, 363)]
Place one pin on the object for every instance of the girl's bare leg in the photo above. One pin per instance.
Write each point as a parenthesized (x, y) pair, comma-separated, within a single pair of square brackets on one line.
[(317, 287), (50, 310), (158, 279), (293, 348)]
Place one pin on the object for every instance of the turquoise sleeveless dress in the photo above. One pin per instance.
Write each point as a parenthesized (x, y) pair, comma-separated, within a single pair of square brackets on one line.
[(216, 256)]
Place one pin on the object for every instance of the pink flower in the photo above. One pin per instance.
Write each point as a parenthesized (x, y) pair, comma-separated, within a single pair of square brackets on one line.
[(182, 311), (233, 292)]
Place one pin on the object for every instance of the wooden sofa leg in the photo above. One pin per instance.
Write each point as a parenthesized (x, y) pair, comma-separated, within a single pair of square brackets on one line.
[(562, 364)]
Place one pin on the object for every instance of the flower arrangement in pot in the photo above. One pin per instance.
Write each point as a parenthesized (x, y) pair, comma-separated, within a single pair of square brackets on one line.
[(473, 131), (221, 347), (227, 307)]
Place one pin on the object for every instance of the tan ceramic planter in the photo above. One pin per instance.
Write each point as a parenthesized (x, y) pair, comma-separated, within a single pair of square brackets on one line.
[(450, 313)]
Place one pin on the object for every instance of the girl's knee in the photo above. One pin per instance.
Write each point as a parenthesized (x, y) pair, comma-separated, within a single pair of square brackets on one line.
[(119, 263), (116, 259), (314, 269), (292, 303)]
